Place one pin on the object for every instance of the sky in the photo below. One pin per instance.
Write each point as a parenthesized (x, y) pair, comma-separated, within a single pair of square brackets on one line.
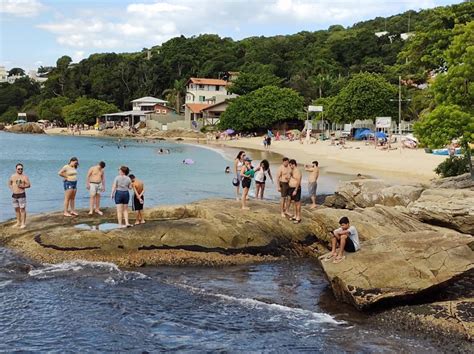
[(38, 32)]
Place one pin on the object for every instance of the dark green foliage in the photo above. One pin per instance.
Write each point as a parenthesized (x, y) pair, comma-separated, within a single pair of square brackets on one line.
[(262, 108), (86, 110), (453, 166)]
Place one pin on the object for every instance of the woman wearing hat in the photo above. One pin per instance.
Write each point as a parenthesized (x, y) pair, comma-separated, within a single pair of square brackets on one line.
[(246, 173)]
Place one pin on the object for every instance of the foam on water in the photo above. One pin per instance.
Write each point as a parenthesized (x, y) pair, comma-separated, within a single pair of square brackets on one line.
[(85, 267), (310, 316)]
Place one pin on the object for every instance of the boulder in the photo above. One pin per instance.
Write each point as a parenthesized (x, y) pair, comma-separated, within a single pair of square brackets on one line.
[(400, 267), (119, 133), (365, 193), (446, 207), (2, 127), (27, 128), (457, 182)]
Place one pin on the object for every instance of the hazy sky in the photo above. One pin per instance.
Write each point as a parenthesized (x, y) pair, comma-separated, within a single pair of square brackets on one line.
[(37, 32)]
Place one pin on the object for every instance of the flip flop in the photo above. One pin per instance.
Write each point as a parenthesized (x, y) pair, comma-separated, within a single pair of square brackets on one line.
[(296, 221), (338, 259), (327, 257)]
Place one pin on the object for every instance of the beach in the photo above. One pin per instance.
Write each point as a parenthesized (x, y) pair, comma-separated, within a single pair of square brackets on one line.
[(395, 166)]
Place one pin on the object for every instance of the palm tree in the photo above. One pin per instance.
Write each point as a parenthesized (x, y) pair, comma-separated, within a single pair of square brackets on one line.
[(174, 94)]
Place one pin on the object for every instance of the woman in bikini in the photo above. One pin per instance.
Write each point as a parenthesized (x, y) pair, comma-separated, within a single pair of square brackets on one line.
[(69, 174), (238, 163)]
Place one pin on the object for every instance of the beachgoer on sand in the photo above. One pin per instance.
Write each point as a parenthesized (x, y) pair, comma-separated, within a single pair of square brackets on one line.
[(346, 237), (69, 174), (95, 184), (17, 183), (283, 177), (261, 173), (120, 193), (138, 201), (313, 170), (246, 173), (295, 191)]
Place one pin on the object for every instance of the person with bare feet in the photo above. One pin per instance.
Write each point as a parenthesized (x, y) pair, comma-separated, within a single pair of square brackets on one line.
[(138, 198), (69, 174), (261, 173), (95, 184), (313, 170), (120, 193), (283, 177), (238, 164), (346, 237), (246, 173), (295, 190), (17, 183)]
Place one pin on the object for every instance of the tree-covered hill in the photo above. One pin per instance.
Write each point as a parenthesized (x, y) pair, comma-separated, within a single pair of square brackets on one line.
[(315, 64)]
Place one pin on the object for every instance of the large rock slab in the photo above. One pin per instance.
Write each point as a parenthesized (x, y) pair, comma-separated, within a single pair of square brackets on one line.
[(365, 193), (458, 182), (400, 267), (446, 207)]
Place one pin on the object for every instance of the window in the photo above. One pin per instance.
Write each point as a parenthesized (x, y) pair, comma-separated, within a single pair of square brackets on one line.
[(202, 98), (164, 111), (201, 87), (158, 111), (217, 87)]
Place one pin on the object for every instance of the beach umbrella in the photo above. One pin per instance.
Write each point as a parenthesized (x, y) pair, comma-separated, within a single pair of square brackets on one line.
[(229, 131), (381, 135)]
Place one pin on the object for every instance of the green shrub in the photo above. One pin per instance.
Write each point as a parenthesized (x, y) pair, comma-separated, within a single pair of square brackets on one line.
[(453, 166)]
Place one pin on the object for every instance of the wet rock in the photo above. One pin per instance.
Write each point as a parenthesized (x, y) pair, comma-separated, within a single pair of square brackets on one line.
[(27, 128), (446, 207), (365, 193), (400, 267)]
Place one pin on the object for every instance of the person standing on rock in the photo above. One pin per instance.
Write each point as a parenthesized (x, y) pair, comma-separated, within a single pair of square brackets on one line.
[(313, 170), (260, 178), (138, 198), (238, 163), (346, 237), (69, 173), (246, 173), (295, 190), (17, 183), (283, 177), (95, 184), (120, 193)]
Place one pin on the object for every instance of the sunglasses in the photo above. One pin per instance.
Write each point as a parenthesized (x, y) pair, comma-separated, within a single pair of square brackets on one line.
[(19, 169)]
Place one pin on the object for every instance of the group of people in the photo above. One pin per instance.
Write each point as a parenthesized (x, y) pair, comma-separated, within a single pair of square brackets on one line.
[(95, 184), (289, 184)]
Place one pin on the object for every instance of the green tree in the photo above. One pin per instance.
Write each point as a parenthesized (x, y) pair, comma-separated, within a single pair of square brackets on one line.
[(10, 115), (262, 108), (86, 110), (16, 71), (52, 109), (247, 82), (366, 96), (175, 94)]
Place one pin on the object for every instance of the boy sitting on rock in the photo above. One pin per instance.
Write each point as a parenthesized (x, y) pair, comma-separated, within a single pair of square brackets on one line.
[(347, 238)]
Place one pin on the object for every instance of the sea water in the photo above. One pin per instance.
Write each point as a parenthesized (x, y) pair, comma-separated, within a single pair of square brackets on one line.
[(94, 306)]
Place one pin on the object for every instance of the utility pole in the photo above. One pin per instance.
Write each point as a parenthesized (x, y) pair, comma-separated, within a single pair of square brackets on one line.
[(400, 106)]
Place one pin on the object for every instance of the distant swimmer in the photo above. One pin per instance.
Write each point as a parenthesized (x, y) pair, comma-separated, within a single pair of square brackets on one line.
[(17, 183), (227, 169), (188, 161)]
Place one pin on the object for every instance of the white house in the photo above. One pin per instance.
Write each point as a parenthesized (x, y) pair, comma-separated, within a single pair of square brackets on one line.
[(202, 93), (147, 103), (3, 74)]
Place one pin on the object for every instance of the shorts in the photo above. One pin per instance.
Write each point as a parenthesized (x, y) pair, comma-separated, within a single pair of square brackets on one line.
[(122, 197), (260, 183), (349, 247), (246, 182), (312, 186), (95, 188), (297, 197), (284, 188), (19, 200), (136, 205), (70, 185)]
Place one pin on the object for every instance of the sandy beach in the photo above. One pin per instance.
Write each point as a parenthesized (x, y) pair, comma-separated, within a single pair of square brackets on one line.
[(396, 166)]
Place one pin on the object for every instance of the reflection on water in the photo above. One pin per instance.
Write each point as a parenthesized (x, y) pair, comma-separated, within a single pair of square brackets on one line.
[(107, 226)]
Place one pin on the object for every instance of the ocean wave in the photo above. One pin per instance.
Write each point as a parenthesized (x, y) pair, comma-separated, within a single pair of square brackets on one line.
[(310, 316), (85, 268)]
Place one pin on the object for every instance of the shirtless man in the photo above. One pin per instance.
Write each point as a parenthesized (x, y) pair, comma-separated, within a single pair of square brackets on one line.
[(283, 177), (17, 183), (138, 198), (313, 170), (95, 183), (295, 190)]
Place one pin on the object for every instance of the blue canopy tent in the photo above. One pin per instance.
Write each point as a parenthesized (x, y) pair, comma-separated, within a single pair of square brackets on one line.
[(363, 133), (381, 135)]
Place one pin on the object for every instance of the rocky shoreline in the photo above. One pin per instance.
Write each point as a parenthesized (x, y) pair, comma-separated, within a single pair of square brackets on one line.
[(417, 245)]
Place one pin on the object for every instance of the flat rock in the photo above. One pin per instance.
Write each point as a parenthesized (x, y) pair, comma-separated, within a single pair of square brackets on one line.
[(27, 128), (399, 267), (365, 193), (446, 207), (463, 181)]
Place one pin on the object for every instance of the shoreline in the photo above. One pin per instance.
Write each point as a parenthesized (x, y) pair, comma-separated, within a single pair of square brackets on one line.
[(397, 167)]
